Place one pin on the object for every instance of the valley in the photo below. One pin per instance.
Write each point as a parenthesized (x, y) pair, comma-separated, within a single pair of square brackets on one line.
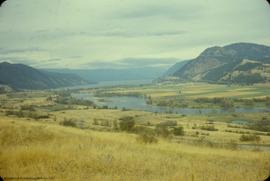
[(134, 90), (55, 133)]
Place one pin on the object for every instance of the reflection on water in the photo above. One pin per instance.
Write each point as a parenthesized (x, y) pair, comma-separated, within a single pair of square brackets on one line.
[(139, 103)]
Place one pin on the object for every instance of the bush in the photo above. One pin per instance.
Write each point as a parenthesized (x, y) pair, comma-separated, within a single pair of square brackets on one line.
[(69, 122), (143, 130), (262, 125), (105, 122), (126, 123), (105, 107), (267, 101), (178, 131), (14, 113), (251, 137), (209, 128), (168, 123), (227, 104), (147, 139), (232, 145), (66, 98), (124, 109), (162, 131), (95, 122), (27, 108), (115, 125), (249, 102), (28, 114), (37, 115)]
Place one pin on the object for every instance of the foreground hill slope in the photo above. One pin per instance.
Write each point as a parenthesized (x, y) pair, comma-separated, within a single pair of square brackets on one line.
[(31, 149), (20, 76), (245, 63)]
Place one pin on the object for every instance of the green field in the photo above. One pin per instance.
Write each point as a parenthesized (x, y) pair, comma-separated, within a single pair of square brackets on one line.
[(186, 95)]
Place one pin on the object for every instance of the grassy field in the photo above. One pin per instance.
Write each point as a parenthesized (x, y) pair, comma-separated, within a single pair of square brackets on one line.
[(31, 149), (42, 137)]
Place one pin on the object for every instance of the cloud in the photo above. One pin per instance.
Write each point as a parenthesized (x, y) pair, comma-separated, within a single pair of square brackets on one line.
[(148, 62), (104, 33), (53, 60), (177, 11), (22, 50), (132, 63), (18, 60), (108, 33), (141, 34)]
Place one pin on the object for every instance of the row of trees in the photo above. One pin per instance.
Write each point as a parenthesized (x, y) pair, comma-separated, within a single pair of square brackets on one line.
[(148, 134)]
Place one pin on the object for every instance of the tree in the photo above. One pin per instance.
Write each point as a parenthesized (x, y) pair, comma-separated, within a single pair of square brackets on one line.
[(126, 123), (178, 131)]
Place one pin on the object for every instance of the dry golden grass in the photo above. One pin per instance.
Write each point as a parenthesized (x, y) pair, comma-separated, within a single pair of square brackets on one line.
[(187, 122), (31, 149)]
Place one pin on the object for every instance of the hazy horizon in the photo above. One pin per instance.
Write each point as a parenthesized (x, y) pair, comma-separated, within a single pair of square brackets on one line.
[(121, 34)]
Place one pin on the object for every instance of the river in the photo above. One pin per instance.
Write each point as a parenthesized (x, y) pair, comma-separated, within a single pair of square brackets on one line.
[(139, 103)]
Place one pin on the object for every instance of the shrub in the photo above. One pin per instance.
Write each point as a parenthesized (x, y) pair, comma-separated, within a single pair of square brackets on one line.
[(233, 145), (267, 101), (95, 122), (124, 109), (105, 122), (249, 102), (115, 125), (262, 125), (139, 129), (178, 131), (162, 131), (168, 123), (27, 108), (209, 128), (147, 138), (37, 115), (250, 137), (126, 123), (68, 122), (105, 107), (227, 104), (14, 113)]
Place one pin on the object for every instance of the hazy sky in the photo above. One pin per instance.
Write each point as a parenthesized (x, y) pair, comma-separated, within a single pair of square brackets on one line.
[(119, 33)]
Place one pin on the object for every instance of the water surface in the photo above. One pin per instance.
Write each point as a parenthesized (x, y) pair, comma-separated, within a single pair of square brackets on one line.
[(139, 103)]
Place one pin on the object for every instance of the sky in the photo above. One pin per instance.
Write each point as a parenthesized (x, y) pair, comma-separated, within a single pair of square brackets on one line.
[(89, 34)]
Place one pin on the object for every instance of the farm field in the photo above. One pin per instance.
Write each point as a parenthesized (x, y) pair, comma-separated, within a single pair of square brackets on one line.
[(196, 90), (195, 95)]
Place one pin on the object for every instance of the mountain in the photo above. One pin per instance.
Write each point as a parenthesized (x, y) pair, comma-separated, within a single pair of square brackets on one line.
[(173, 69), (243, 63), (5, 89), (20, 76), (124, 74)]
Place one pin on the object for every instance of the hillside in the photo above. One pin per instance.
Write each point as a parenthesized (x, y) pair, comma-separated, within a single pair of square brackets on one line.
[(243, 63), (47, 150), (173, 69), (20, 76)]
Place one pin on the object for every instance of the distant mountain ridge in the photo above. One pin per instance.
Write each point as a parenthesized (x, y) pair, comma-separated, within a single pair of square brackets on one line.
[(126, 74), (20, 76), (242, 63)]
